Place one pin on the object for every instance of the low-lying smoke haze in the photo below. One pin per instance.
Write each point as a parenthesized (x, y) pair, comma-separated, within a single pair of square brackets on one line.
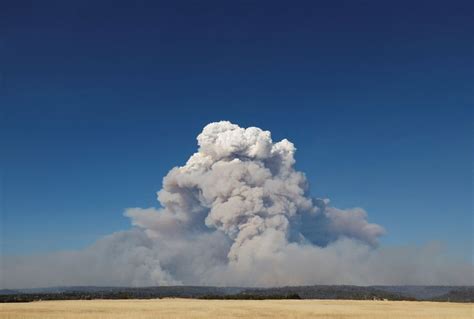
[(238, 213)]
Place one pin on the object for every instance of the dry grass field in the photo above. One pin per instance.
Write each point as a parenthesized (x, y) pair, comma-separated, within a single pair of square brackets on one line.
[(192, 308)]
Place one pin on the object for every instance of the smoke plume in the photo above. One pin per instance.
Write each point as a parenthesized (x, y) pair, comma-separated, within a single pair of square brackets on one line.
[(238, 213)]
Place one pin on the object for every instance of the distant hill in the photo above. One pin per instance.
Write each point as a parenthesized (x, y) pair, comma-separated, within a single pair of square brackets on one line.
[(463, 294), (434, 293), (418, 292), (328, 292)]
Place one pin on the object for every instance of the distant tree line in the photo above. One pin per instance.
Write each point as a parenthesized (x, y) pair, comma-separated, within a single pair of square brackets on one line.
[(251, 297), (452, 294)]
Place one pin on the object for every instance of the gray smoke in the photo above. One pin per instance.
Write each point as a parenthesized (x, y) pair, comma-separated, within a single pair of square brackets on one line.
[(238, 213)]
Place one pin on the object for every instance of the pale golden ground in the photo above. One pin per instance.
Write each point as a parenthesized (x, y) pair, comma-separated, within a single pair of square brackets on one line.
[(192, 308)]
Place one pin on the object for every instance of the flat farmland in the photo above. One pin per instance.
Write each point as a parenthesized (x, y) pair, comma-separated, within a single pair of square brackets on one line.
[(193, 308)]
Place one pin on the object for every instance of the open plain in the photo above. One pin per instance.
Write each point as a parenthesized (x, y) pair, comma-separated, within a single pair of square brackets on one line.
[(194, 308)]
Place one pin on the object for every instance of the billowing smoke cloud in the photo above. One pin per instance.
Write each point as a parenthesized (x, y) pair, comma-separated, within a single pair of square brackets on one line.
[(238, 213), (244, 185)]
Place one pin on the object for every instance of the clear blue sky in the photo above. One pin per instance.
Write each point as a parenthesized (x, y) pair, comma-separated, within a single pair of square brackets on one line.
[(99, 101)]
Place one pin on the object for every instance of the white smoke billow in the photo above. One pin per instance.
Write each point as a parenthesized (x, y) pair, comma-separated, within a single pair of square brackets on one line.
[(242, 184), (238, 213)]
